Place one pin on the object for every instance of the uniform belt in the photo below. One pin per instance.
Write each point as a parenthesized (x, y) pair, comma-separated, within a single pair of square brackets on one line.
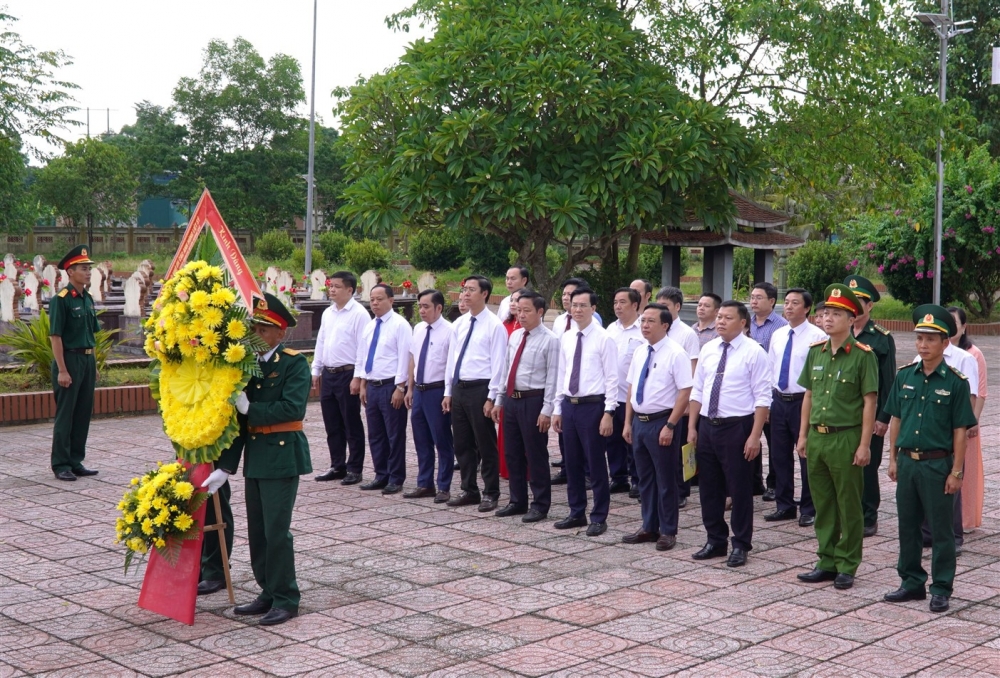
[(277, 428), (81, 351), (654, 416), (788, 397), (584, 400), (339, 369), (532, 393), (381, 382), (429, 387), (472, 382), (926, 454), (722, 421), (833, 429)]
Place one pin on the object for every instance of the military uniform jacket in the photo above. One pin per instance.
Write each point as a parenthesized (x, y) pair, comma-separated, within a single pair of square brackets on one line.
[(279, 397), (884, 346), (73, 317), (929, 406), (839, 382)]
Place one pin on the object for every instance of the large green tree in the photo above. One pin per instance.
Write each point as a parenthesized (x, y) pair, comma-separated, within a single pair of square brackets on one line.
[(157, 144), (542, 122), (16, 212)]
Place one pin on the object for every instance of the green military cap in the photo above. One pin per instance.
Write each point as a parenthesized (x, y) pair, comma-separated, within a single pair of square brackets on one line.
[(77, 255), (934, 318), (862, 287), (270, 311), (841, 296)]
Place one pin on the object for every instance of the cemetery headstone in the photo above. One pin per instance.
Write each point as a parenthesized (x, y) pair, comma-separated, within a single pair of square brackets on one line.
[(318, 279), (31, 291), (369, 279), (426, 281), (7, 301), (49, 273), (38, 263), (133, 292), (97, 284)]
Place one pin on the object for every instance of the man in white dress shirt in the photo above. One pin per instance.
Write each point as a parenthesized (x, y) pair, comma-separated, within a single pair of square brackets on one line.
[(431, 426), (585, 410), (383, 364), (471, 382), (515, 280), (729, 404), (562, 323), (659, 386), (788, 351), (627, 336), (337, 343)]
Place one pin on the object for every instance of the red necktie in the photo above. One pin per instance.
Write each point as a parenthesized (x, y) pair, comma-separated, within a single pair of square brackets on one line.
[(513, 366), (569, 321)]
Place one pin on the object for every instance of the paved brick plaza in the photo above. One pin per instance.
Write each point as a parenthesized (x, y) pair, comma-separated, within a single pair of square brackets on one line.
[(406, 587)]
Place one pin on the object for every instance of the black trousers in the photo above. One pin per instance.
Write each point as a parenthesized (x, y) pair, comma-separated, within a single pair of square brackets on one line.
[(725, 471), (657, 466), (526, 450), (585, 446), (342, 420), (759, 483), (786, 416), (475, 440)]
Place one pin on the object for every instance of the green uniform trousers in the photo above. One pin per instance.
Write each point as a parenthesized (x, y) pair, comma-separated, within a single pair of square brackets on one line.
[(211, 554), (920, 495), (74, 407), (871, 498), (836, 483), (269, 517)]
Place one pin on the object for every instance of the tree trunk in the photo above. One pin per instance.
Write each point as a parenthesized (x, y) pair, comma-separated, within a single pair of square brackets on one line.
[(90, 233), (633, 255)]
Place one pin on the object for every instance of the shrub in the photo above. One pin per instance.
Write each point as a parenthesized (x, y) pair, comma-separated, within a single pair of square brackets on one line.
[(436, 249), (487, 254), (361, 255), (333, 244), (818, 264), (299, 259), (742, 272), (604, 280), (275, 245), (651, 262), (29, 342)]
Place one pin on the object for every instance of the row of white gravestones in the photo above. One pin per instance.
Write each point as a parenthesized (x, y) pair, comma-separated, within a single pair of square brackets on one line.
[(6, 301)]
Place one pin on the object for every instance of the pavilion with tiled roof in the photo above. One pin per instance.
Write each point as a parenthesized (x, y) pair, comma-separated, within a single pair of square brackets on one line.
[(755, 228)]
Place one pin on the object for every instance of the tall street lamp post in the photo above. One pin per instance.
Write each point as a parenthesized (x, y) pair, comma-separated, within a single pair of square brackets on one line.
[(310, 180)]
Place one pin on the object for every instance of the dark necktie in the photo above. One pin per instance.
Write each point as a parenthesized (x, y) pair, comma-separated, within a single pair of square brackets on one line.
[(786, 360), (514, 365), (423, 355), (569, 321), (465, 345), (642, 377), (371, 349), (574, 376), (713, 400)]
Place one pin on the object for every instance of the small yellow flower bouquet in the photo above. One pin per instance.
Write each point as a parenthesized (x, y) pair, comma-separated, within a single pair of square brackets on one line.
[(157, 511)]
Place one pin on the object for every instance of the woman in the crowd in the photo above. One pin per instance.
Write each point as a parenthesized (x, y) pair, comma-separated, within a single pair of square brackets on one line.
[(972, 487)]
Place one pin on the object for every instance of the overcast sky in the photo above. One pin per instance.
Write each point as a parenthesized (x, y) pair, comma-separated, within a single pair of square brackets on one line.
[(129, 51)]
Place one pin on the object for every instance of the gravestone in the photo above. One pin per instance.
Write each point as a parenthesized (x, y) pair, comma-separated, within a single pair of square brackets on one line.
[(286, 281), (38, 263), (97, 284), (52, 275), (30, 291), (369, 279), (106, 270), (270, 279), (63, 279), (426, 281), (9, 269), (133, 294), (318, 279), (7, 310)]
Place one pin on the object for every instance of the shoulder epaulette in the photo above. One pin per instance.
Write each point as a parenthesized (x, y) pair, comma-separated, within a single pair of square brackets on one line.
[(863, 347), (900, 369), (962, 376), (817, 343), (64, 292), (289, 351), (880, 329)]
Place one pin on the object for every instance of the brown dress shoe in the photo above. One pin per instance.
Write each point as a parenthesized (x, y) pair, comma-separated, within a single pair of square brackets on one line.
[(419, 493), (442, 497), (465, 499), (639, 537), (666, 542)]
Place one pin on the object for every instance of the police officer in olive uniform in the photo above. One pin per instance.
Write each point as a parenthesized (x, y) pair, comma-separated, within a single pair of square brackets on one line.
[(840, 376), (277, 453), (930, 408), (72, 323), (870, 333)]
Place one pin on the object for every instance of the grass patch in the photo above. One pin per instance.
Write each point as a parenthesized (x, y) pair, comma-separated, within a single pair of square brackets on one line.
[(18, 382), (891, 309)]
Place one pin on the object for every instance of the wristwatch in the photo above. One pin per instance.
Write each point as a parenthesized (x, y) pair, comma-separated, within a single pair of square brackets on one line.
[(958, 474), (671, 425), (609, 412)]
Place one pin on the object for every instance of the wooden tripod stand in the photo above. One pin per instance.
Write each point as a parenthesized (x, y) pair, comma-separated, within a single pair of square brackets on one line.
[(220, 528)]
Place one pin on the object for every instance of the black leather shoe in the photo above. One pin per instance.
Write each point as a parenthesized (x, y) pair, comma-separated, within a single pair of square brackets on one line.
[(843, 581), (392, 488), (351, 478), (768, 494), (939, 603), (682, 502), (902, 595), (65, 475), (759, 490), (666, 542), (596, 529), (710, 551), (375, 485), (84, 471), (488, 504), (640, 537), (442, 497), (277, 616), (569, 523), (559, 478), (419, 493), (737, 558), (210, 586), (534, 516), (816, 576), (807, 521), (511, 510), (256, 607), (871, 530), (464, 499), (331, 474), (558, 464), (633, 492), (787, 514), (618, 487)]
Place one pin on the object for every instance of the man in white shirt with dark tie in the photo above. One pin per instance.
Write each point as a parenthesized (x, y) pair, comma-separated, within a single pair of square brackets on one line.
[(584, 412), (562, 324), (515, 280), (430, 425), (340, 334), (729, 404), (383, 363), (788, 351), (626, 333), (471, 382)]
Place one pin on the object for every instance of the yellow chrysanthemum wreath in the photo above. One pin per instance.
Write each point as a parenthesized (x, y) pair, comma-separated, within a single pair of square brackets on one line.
[(204, 353)]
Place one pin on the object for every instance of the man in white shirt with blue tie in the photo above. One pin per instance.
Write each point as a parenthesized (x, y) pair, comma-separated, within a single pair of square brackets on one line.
[(382, 363)]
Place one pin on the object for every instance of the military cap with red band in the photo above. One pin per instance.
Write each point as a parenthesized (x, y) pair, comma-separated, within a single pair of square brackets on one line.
[(270, 311), (841, 296), (77, 255)]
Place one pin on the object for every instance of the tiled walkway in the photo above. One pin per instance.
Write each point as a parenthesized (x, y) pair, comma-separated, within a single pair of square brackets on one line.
[(406, 587)]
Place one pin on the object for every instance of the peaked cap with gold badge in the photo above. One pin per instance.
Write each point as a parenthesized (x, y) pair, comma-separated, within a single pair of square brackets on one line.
[(270, 311), (77, 255), (841, 296), (934, 318), (862, 287)]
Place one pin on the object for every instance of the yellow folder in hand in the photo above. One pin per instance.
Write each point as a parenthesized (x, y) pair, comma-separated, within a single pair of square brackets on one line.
[(690, 464)]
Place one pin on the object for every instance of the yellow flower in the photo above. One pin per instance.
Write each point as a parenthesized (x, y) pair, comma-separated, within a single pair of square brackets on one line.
[(210, 338), (183, 522), (183, 490), (235, 353), (235, 329), (147, 526), (212, 317), (159, 503), (199, 300), (223, 297), (160, 543), (202, 354), (134, 481), (144, 508)]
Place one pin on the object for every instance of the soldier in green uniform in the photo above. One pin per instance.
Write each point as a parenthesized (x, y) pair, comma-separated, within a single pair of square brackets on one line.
[(277, 453), (930, 407), (72, 323), (840, 376), (869, 332)]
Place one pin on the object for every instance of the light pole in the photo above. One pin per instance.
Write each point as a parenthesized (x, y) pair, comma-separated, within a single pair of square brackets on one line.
[(946, 28), (310, 180)]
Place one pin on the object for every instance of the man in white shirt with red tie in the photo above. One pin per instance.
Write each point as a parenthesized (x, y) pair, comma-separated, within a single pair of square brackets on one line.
[(515, 280), (729, 405), (383, 363), (584, 412)]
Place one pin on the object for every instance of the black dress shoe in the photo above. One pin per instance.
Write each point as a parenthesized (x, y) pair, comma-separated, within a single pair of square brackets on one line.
[(375, 485), (442, 497), (737, 558), (682, 502), (464, 499), (902, 595), (84, 471), (806, 521), (351, 478), (256, 607), (759, 490), (65, 475), (533, 516), (419, 493), (633, 492), (710, 551), (511, 510), (871, 530), (787, 514), (768, 494), (331, 474), (596, 529), (210, 586), (569, 523), (392, 488), (939, 603), (488, 504), (277, 616), (618, 487), (640, 537), (843, 581), (559, 478), (666, 542), (558, 464), (816, 576)]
